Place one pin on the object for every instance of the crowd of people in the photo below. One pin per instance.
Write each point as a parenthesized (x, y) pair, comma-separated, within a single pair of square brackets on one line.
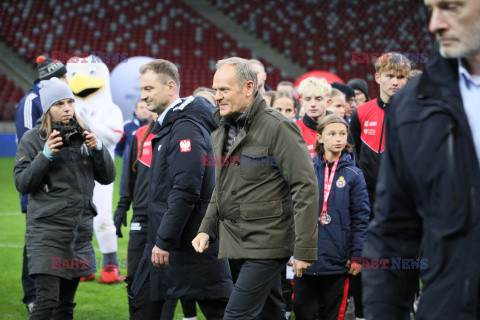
[(256, 204)]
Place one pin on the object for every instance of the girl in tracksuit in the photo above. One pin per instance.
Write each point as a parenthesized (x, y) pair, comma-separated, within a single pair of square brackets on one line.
[(321, 293)]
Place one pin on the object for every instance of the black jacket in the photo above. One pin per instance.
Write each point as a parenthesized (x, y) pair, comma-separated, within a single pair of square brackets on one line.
[(427, 203), (60, 207), (180, 188), (134, 189)]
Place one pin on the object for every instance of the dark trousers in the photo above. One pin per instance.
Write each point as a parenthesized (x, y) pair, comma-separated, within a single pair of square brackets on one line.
[(28, 283), (320, 297), (55, 297), (189, 307), (142, 308), (356, 292), (211, 309), (257, 293), (136, 245), (235, 266)]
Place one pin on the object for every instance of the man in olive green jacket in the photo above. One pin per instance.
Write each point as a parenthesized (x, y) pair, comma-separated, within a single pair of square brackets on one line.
[(264, 207)]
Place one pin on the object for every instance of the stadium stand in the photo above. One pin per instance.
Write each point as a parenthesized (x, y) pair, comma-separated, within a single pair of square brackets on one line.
[(10, 95), (321, 35), (167, 29)]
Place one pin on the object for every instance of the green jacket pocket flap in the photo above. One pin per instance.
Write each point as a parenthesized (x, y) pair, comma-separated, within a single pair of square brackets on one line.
[(255, 152), (261, 210)]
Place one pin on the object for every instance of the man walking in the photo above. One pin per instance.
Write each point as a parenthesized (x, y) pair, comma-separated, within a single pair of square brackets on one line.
[(428, 186), (265, 204), (180, 188)]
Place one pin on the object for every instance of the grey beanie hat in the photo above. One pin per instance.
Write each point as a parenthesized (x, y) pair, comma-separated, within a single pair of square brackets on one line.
[(53, 90), (359, 84)]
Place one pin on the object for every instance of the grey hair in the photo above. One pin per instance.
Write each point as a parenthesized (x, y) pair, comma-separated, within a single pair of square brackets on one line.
[(258, 63), (201, 90), (244, 70)]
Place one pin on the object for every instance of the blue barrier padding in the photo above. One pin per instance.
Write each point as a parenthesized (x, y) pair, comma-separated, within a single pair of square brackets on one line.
[(8, 147)]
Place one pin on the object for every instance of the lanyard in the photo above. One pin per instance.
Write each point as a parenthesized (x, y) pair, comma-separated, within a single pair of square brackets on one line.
[(327, 186)]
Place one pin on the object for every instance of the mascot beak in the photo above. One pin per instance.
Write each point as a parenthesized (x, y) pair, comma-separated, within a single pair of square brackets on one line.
[(83, 85)]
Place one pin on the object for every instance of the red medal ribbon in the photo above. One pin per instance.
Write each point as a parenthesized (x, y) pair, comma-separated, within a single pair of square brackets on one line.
[(327, 186)]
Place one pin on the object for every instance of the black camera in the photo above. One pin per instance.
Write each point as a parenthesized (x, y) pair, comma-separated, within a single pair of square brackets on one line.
[(71, 137)]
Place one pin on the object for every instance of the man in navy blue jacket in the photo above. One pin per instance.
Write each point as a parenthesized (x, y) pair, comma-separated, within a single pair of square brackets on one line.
[(27, 112), (180, 188), (428, 188)]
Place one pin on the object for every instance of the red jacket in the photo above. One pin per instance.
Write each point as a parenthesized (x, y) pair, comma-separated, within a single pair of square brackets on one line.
[(367, 130), (309, 135)]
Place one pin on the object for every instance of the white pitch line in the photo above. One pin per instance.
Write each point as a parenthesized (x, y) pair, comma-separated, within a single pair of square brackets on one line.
[(4, 214), (11, 245), (20, 246)]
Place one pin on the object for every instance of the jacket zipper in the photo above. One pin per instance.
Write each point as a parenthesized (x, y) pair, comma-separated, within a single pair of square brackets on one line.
[(451, 160), (448, 135), (381, 134)]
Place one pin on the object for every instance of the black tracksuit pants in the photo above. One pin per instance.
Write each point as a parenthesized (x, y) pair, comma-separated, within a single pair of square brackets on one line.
[(320, 297), (136, 245)]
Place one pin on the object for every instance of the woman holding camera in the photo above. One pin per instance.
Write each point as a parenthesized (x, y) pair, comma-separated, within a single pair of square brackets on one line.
[(56, 164)]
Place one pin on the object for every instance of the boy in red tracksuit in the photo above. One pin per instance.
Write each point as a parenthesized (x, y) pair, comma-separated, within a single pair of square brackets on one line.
[(367, 133), (314, 96)]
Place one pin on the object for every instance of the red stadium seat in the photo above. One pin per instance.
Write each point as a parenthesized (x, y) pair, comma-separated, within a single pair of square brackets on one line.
[(130, 26), (373, 26)]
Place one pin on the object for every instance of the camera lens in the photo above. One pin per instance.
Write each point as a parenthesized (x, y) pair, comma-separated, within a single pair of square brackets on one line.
[(74, 139)]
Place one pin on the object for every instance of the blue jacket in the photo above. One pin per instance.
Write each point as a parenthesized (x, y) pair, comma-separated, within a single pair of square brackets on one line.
[(129, 128), (180, 188), (27, 112), (427, 203), (123, 147), (348, 206)]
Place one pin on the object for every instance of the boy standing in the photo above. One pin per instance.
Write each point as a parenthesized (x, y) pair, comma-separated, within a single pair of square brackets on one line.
[(314, 96), (367, 132)]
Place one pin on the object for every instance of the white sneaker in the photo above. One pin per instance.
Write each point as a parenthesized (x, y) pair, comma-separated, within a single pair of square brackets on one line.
[(30, 307)]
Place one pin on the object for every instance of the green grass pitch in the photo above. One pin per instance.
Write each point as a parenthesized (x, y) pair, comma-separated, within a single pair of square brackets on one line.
[(94, 301)]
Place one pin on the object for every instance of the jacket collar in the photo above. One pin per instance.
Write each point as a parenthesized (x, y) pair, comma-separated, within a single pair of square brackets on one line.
[(166, 115), (170, 117), (156, 128), (440, 81), (345, 159), (257, 106), (382, 105), (310, 123), (440, 76)]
